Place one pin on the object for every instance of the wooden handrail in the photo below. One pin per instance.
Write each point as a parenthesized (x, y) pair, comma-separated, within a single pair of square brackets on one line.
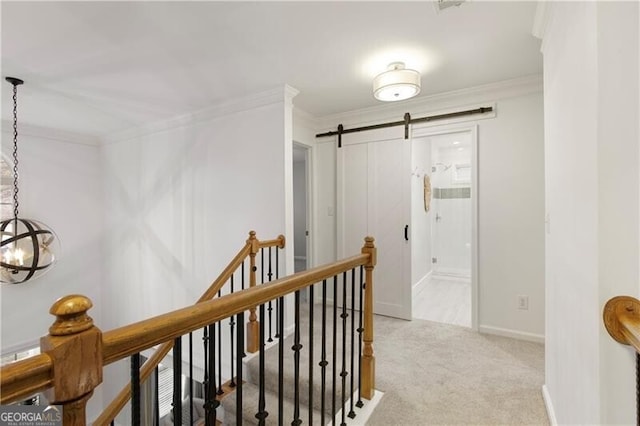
[(121, 399), (278, 242), (621, 317), (22, 379), (76, 351), (130, 339)]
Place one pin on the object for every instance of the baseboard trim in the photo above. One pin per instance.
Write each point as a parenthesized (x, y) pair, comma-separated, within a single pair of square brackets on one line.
[(548, 404), (514, 334), (421, 284)]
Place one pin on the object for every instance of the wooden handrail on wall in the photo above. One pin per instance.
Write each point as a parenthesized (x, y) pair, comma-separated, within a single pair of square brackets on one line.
[(76, 350), (621, 317)]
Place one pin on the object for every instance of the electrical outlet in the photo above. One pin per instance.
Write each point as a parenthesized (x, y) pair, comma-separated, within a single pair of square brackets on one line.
[(523, 303)]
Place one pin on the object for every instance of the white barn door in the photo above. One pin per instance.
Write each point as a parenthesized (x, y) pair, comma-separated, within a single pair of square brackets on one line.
[(373, 196)]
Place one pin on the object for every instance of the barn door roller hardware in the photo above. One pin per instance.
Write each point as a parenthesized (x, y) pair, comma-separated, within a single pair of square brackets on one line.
[(405, 122)]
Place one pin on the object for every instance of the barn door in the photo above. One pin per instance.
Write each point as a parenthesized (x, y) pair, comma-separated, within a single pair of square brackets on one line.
[(373, 190)]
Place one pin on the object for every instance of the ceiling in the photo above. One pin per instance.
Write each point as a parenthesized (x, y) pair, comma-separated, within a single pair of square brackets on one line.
[(103, 67)]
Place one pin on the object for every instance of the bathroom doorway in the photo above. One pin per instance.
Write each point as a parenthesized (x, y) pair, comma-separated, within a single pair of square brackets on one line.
[(444, 289)]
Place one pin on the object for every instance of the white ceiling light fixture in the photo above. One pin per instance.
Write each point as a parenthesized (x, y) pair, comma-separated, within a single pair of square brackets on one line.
[(396, 84)]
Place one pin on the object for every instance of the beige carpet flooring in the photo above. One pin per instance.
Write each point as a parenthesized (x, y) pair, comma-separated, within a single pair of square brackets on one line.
[(434, 373)]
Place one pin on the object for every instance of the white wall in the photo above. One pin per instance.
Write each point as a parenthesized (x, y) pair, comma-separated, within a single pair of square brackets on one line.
[(420, 219), (591, 142), (511, 196), (180, 202), (511, 217), (325, 202), (60, 185)]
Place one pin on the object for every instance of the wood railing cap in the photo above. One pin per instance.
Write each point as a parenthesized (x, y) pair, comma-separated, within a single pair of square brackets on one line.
[(71, 315), (618, 314)]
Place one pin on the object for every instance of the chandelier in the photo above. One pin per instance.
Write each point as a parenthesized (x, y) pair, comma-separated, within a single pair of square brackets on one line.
[(28, 248)]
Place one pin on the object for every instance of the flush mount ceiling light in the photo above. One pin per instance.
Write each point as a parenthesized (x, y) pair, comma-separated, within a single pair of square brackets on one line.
[(28, 248), (396, 84)]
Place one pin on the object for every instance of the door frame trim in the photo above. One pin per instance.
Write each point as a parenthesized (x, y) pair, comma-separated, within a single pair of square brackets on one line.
[(420, 131)]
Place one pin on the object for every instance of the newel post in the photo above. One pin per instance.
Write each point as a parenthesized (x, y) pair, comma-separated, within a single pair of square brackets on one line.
[(75, 346), (253, 326), (368, 360)]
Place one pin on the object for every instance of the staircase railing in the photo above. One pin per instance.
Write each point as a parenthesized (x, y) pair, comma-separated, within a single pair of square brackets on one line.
[(621, 318), (13, 388), (75, 351)]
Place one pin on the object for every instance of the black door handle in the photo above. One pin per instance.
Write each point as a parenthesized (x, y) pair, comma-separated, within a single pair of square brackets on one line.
[(406, 232)]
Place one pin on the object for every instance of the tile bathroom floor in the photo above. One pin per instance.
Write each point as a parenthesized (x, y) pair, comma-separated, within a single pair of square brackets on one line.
[(446, 300)]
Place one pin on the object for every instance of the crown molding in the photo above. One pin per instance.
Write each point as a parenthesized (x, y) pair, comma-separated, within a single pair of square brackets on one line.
[(51, 134), (305, 119), (541, 21), (268, 97), (289, 94), (443, 101)]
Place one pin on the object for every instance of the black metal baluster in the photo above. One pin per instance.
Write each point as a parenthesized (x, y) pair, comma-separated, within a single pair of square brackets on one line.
[(311, 354), (278, 301), (352, 414), (232, 324), (278, 263), (262, 414), (205, 382), (241, 325), (177, 381), (211, 403), (296, 361), (280, 323), (239, 366), (262, 266), (637, 389), (135, 389), (335, 337), (323, 362), (343, 373), (242, 275), (270, 308), (156, 405), (360, 404), (220, 390), (190, 378)]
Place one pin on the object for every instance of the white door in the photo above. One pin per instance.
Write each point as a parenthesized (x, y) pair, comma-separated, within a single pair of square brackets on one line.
[(373, 199)]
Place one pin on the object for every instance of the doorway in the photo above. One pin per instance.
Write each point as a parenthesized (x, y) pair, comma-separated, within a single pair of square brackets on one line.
[(300, 207), (443, 267)]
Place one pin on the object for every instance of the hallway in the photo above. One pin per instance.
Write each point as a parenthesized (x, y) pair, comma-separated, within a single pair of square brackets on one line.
[(441, 374)]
